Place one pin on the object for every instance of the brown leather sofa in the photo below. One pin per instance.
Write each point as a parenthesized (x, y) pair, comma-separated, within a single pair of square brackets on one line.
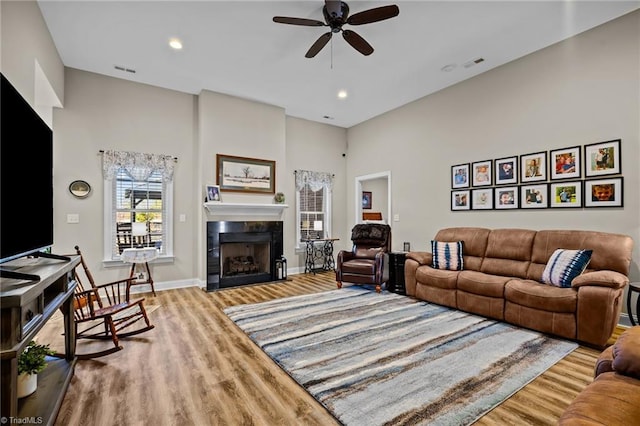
[(501, 279), (613, 398)]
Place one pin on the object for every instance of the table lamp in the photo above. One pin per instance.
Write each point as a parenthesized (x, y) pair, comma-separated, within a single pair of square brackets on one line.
[(138, 229), (317, 226)]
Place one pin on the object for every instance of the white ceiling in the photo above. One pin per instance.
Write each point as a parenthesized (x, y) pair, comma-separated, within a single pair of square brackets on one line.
[(234, 47)]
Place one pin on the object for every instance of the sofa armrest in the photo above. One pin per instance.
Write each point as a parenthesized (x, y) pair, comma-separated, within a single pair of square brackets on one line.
[(422, 257), (610, 279), (604, 361), (626, 353)]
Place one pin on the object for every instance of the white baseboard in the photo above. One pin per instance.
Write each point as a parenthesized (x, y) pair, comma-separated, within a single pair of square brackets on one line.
[(166, 285)]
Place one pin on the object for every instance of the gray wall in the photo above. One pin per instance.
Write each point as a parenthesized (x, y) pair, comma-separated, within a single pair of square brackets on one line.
[(26, 39), (580, 91)]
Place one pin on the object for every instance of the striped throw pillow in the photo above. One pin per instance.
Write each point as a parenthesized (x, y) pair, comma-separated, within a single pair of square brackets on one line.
[(447, 255), (564, 266)]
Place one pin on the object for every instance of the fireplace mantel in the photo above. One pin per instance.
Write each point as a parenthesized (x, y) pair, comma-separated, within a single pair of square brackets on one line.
[(245, 209)]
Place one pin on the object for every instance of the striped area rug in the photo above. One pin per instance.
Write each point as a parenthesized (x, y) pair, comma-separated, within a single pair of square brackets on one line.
[(386, 359)]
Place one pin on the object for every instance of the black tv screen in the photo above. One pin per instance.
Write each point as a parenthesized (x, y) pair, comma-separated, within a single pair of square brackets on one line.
[(26, 177)]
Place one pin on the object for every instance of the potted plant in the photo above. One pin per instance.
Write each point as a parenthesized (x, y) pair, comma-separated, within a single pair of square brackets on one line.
[(30, 362), (279, 197)]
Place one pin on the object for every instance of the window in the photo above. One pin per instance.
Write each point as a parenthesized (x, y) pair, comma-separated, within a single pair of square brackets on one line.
[(313, 205), (138, 205)]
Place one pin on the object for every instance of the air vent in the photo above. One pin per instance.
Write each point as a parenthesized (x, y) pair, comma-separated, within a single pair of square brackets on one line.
[(472, 63), (119, 68)]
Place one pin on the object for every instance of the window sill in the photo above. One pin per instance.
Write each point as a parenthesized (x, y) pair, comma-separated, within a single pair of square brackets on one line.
[(117, 263)]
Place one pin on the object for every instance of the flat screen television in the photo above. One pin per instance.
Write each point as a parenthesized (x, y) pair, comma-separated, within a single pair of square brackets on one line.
[(26, 177)]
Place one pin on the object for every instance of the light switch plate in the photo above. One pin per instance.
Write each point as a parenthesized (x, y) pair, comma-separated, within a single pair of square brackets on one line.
[(73, 218), (396, 218)]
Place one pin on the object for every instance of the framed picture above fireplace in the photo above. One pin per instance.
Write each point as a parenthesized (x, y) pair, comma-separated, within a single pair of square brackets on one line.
[(242, 174)]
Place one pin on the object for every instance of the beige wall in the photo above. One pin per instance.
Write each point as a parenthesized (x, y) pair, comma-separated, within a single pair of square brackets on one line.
[(102, 113), (318, 147), (25, 39), (577, 92)]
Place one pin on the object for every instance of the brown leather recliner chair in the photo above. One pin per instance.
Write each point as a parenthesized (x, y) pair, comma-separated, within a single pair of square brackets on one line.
[(367, 262)]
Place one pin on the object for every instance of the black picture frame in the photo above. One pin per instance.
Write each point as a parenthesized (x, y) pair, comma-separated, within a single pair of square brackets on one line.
[(594, 166), (366, 200), (571, 199), (481, 173), (565, 163), (534, 196), (460, 176), (506, 170), (607, 192), (533, 167)]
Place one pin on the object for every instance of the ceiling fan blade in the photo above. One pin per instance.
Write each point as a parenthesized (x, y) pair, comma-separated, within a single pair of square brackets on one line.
[(298, 21), (374, 15), (318, 45), (357, 42)]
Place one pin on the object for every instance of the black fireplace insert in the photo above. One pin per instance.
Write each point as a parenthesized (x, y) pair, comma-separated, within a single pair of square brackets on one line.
[(240, 253)]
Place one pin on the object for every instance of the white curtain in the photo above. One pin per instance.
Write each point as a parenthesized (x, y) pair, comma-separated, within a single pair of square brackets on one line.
[(315, 180), (138, 165)]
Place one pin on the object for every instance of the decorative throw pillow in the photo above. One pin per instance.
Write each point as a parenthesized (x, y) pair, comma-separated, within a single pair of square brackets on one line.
[(447, 255), (564, 266)]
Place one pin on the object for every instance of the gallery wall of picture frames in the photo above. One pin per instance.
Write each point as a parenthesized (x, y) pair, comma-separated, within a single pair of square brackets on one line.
[(574, 177)]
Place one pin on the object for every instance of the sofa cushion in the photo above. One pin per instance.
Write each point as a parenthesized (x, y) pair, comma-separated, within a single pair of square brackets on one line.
[(359, 266), (626, 353), (440, 278), (447, 255), (564, 266), (482, 284), (542, 297), (610, 251), (508, 252), (474, 241)]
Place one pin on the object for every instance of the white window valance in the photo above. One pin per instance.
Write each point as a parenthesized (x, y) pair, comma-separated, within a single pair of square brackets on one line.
[(315, 180), (138, 165)]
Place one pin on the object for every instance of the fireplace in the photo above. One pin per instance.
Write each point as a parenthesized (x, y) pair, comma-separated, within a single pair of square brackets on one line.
[(240, 253)]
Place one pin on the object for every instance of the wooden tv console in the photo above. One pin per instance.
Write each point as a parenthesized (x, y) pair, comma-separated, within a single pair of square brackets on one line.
[(25, 307)]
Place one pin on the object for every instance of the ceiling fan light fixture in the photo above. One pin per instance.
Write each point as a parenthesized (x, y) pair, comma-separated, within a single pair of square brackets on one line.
[(175, 43)]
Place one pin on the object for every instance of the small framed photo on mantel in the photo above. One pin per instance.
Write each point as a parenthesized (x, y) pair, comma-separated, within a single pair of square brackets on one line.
[(213, 194)]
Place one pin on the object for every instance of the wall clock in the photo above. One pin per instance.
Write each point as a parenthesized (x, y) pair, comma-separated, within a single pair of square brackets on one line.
[(79, 189)]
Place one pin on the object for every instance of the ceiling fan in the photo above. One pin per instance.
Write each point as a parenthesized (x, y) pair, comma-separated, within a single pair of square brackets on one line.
[(336, 14)]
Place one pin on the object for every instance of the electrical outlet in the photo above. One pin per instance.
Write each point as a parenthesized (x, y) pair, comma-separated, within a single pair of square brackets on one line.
[(73, 218), (396, 218), (183, 217)]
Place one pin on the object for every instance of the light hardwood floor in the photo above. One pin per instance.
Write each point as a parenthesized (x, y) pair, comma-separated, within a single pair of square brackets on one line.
[(197, 368)]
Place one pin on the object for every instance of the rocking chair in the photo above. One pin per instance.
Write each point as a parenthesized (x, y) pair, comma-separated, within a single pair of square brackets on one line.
[(104, 311)]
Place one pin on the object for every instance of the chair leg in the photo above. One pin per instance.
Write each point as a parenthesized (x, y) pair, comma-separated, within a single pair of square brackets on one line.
[(339, 284)]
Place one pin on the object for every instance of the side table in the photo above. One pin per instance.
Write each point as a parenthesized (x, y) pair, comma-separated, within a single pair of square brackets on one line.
[(137, 256), (396, 272), (323, 251), (633, 287)]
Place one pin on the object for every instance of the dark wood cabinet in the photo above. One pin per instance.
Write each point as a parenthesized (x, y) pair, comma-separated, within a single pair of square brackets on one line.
[(25, 307), (396, 272)]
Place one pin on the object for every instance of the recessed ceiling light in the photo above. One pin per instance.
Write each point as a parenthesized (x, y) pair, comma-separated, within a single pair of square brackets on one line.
[(448, 68), (342, 94), (175, 43)]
